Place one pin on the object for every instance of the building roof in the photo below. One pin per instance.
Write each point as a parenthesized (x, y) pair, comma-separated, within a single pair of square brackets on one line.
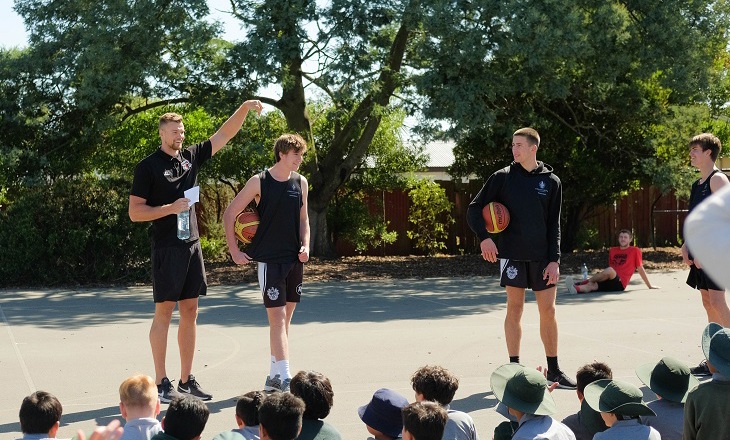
[(440, 154)]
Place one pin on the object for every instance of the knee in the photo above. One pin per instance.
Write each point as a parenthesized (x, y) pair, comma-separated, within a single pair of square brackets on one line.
[(515, 310), (611, 273), (188, 312)]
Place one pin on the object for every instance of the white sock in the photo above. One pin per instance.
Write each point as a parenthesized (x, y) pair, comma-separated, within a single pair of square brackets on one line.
[(272, 367), (282, 369)]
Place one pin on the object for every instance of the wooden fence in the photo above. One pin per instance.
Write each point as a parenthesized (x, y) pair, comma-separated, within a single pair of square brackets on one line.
[(630, 212)]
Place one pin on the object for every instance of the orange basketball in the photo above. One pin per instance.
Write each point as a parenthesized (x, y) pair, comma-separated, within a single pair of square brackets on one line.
[(245, 226), (496, 217)]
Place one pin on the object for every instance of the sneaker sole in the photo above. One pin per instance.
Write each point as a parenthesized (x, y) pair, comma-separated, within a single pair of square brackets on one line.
[(203, 398), (561, 386)]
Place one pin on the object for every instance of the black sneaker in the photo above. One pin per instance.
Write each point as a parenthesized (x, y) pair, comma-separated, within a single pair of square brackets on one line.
[(276, 384), (701, 370), (562, 379), (192, 388), (166, 392)]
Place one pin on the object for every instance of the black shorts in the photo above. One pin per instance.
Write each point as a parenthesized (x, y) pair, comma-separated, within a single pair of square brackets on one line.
[(178, 273), (614, 285), (523, 274), (275, 278), (698, 279)]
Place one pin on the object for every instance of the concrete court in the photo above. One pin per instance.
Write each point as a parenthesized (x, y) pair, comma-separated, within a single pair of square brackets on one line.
[(80, 344)]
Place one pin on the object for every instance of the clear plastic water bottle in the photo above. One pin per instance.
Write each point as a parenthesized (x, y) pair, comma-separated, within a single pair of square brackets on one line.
[(183, 225), (584, 271)]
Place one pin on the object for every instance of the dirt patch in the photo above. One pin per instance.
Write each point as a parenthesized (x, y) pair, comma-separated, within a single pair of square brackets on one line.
[(419, 267)]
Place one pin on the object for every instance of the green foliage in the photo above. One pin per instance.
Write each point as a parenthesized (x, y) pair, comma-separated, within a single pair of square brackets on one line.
[(73, 231), (213, 244), (430, 216), (351, 220), (588, 238)]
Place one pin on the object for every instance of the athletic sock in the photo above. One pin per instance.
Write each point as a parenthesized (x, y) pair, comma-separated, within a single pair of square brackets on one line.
[(514, 359), (282, 369), (272, 367), (552, 362)]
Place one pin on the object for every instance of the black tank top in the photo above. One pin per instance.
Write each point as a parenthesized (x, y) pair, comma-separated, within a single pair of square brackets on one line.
[(277, 238), (700, 191)]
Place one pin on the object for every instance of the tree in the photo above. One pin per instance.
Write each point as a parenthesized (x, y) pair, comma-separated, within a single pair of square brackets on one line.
[(593, 77)]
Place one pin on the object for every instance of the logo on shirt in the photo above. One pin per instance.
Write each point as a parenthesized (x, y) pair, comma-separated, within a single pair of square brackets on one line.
[(511, 272), (167, 174), (619, 259), (273, 293), (541, 188), (186, 165)]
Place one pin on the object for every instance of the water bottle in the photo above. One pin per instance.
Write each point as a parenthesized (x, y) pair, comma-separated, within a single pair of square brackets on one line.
[(183, 225), (584, 271)]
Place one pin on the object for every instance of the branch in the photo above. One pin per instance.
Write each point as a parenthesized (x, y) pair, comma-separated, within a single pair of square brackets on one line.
[(133, 111)]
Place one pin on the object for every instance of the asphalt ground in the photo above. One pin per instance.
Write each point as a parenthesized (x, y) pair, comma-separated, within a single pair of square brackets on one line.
[(80, 344)]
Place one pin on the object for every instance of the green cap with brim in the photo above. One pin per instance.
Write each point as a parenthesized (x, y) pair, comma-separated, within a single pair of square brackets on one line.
[(618, 397), (719, 351), (707, 335), (668, 378), (523, 389)]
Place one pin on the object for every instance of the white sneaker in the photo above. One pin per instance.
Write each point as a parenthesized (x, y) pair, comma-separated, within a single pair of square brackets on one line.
[(570, 285)]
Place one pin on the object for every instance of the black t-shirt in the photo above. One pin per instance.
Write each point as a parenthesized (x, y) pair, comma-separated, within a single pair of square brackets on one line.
[(161, 179)]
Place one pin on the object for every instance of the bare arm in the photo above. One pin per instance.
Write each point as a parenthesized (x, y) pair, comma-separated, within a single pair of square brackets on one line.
[(140, 211), (642, 273), (233, 124), (251, 191), (717, 181), (304, 223)]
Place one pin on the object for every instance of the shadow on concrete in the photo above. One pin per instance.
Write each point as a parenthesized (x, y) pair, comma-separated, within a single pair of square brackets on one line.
[(475, 402)]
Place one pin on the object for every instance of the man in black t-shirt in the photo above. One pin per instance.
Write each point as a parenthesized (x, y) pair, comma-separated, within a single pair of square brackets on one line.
[(178, 273), (280, 246)]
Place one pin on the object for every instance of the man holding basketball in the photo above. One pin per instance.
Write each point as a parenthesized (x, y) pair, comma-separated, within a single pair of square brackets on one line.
[(529, 248), (178, 273), (280, 246)]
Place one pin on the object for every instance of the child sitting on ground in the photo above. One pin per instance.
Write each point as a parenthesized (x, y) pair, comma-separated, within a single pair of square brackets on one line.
[(139, 404)]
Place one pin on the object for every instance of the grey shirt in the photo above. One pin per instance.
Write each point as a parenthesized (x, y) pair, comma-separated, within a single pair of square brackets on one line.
[(628, 430), (534, 427), (141, 429), (460, 426)]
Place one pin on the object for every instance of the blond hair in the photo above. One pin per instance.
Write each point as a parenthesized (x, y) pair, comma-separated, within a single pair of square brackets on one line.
[(170, 117), (138, 391)]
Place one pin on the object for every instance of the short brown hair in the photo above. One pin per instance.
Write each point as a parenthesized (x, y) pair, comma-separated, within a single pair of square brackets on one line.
[(708, 141), (425, 420), (138, 391), (436, 383), (247, 407), (287, 143), (530, 133), (625, 231), (315, 390), (590, 373), (170, 117)]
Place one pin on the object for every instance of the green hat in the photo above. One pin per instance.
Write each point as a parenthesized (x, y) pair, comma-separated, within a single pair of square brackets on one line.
[(523, 389), (668, 378), (716, 346), (618, 397)]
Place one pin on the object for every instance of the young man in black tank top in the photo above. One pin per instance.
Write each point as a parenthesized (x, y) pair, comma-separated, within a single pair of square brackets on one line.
[(280, 247), (703, 152)]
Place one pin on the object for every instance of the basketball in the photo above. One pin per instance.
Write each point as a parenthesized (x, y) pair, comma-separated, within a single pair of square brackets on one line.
[(496, 217), (246, 224)]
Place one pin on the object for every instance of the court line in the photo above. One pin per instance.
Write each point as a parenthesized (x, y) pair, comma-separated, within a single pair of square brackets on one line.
[(21, 361)]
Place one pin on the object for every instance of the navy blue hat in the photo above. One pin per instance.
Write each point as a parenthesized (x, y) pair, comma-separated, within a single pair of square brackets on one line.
[(383, 413)]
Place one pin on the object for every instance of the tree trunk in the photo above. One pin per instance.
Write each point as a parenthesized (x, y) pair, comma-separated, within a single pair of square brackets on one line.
[(320, 241)]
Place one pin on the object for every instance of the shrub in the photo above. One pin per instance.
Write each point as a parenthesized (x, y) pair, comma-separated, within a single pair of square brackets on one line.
[(430, 215), (73, 231)]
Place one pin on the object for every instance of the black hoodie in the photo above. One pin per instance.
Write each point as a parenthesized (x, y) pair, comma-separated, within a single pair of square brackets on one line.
[(533, 200)]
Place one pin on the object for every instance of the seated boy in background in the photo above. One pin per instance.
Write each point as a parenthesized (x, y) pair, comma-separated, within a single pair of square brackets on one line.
[(140, 406)]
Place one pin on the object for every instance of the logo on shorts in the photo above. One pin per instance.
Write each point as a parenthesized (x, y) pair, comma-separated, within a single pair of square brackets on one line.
[(273, 293), (511, 272), (299, 290)]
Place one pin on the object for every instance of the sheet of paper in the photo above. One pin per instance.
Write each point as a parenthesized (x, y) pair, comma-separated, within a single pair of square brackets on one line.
[(193, 194)]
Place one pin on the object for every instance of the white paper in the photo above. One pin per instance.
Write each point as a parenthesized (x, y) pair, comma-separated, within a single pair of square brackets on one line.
[(193, 194)]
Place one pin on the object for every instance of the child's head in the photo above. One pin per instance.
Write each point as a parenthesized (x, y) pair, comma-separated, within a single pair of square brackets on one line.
[(434, 383), (590, 373), (616, 400), (424, 421), (280, 417), (185, 418), (247, 408), (138, 397), (382, 416), (40, 413), (315, 390)]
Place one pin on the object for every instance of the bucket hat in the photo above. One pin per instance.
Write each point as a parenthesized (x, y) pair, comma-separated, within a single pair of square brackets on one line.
[(383, 413), (716, 346), (523, 389), (618, 397), (668, 378)]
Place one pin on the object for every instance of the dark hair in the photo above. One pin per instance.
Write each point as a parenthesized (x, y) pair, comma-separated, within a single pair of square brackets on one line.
[(39, 412), (530, 133), (247, 407), (185, 418), (425, 420), (288, 142), (707, 141), (625, 231), (315, 390), (436, 383), (281, 416), (590, 373)]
